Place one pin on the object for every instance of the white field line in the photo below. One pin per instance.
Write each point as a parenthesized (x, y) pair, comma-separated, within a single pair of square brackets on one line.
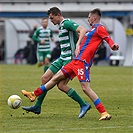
[(71, 129)]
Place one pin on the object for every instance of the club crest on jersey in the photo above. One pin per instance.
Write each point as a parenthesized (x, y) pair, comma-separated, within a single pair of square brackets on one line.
[(75, 24)]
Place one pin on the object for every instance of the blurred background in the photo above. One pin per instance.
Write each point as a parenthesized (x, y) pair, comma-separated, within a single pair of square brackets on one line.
[(17, 18)]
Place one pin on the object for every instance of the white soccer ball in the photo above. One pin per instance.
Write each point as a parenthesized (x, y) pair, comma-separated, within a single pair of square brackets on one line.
[(14, 101)]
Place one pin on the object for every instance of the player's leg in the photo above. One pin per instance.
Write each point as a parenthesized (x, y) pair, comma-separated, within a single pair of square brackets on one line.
[(55, 67), (46, 64), (95, 99), (62, 85), (82, 71), (40, 60), (45, 78), (36, 108), (43, 88), (46, 57)]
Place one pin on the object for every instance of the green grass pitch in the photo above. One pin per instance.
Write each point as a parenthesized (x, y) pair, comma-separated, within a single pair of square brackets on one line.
[(60, 113)]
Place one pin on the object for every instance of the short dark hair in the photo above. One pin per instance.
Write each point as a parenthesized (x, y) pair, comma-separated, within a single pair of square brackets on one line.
[(96, 11), (54, 11)]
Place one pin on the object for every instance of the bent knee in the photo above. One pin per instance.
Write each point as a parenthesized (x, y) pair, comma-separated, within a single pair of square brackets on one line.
[(60, 85), (45, 79)]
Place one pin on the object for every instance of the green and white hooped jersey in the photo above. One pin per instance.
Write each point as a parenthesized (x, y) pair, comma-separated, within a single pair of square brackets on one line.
[(68, 38), (43, 34)]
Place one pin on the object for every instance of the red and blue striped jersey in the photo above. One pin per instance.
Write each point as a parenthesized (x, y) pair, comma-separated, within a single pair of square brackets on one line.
[(91, 41)]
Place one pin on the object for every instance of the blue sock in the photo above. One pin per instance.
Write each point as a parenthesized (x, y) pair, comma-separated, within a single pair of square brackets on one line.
[(43, 88), (97, 101)]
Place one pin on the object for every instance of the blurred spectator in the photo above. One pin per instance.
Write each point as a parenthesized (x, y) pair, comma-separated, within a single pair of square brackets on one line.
[(26, 52), (56, 52), (22, 54), (100, 54), (2, 50), (18, 56), (33, 47), (32, 31)]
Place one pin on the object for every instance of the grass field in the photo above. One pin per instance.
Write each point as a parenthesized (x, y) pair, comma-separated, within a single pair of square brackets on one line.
[(59, 112)]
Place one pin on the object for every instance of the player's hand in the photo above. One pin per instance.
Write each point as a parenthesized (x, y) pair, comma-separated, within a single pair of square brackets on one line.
[(77, 50), (115, 47), (42, 42)]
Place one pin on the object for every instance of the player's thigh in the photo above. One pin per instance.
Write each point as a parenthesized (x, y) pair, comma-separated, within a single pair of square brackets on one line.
[(48, 55), (68, 70), (82, 71), (56, 65), (40, 56), (59, 76)]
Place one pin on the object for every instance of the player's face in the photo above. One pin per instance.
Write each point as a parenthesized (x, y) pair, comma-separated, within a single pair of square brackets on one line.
[(45, 23), (54, 19), (91, 19)]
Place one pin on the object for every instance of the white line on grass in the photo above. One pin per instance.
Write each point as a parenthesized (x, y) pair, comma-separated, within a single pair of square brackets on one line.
[(72, 129)]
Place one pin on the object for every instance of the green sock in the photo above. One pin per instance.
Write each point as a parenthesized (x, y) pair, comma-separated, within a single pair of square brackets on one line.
[(40, 99), (45, 68), (75, 96)]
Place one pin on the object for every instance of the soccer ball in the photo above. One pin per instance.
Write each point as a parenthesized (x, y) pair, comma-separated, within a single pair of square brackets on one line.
[(14, 101)]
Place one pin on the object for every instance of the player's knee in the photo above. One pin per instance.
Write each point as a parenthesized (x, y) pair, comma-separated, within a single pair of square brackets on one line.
[(60, 85), (46, 62), (45, 79), (85, 88)]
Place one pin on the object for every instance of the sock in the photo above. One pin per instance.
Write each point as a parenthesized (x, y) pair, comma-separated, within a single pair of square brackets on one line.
[(45, 68), (40, 99), (99, 106), (74, 95), (40, 90)]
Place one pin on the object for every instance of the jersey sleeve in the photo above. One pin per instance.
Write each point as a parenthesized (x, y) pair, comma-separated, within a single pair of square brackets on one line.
[(51, 33), (102, 32), (71, 25), (35, 36)]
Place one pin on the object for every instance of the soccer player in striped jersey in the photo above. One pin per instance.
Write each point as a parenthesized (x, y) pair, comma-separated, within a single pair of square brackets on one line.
[(43, 35), (69, 40), (80, 65)]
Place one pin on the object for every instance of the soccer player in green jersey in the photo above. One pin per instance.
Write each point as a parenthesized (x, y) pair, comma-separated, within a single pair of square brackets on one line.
[(70, 37), (43, 35)]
